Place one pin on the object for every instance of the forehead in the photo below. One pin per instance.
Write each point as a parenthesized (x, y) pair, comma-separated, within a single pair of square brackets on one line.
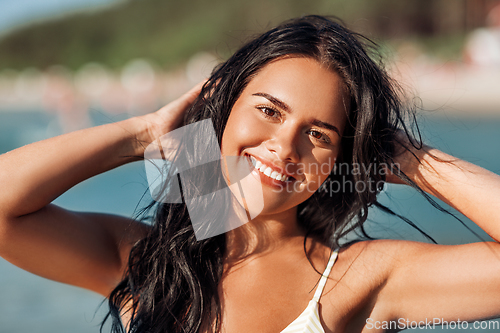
[(304, 85)]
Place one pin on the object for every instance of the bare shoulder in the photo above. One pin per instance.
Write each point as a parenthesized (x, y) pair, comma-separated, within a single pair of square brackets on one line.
[(372, 263), (377, 257), (383, 255), (360, 274), (387, 279)]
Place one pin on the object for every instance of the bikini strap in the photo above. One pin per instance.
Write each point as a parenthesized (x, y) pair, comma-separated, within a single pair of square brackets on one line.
[(325, 275)]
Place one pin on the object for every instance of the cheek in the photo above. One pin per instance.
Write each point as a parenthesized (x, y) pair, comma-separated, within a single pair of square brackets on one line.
[(318, 170), (322, 164), (242, 130)]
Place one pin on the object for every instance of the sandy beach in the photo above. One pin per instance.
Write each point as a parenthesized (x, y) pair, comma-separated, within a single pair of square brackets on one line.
[(462, 89), (465, 90)]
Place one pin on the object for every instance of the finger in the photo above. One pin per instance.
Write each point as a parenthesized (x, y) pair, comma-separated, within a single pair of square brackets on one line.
[(197, 88), (185, 100), (172, 112), (188, 98)]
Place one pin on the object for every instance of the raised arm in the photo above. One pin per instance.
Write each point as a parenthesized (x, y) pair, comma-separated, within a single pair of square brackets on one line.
[(84, 249), (427, 281), (472, 190)]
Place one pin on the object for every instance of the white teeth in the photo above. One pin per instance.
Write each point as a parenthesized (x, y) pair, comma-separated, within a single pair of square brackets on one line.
[(267, 170)]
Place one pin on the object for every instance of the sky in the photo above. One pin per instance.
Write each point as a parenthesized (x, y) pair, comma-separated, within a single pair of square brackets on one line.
[(14, 13)]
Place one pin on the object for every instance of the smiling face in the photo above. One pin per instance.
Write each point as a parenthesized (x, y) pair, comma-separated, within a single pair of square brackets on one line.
[(288, 122)]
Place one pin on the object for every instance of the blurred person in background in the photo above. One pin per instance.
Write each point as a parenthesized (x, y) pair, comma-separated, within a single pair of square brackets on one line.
[(483, 44)]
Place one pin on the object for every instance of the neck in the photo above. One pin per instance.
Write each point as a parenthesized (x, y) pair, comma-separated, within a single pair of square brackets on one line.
[(261, 235)]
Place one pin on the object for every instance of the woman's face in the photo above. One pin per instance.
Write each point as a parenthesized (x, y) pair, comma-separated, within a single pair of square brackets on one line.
[(287, 125)]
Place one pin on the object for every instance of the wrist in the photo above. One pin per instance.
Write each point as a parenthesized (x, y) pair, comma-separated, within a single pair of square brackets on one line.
[(427, 170), (139, 136)]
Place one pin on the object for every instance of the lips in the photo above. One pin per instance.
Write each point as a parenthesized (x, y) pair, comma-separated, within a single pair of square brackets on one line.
[(269, 171)]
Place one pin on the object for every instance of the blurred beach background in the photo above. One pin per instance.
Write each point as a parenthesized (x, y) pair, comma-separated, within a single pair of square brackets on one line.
[(71, 64)]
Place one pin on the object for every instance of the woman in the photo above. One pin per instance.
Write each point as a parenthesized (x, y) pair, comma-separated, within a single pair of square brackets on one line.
[(301, 95)]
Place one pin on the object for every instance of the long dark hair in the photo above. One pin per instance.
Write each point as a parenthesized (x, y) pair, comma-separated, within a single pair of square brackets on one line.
[(172, 280)]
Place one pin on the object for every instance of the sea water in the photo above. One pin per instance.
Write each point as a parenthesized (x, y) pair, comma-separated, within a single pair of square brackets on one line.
[(31, 304)]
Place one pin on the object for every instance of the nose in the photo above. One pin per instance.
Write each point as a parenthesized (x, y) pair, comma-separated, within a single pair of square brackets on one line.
[(283, 144)]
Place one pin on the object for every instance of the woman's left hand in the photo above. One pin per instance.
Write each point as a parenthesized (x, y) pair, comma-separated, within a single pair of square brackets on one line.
[(406, 159), (470, 189)]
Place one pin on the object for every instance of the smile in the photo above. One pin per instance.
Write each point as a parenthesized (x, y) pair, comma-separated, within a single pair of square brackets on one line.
[(268, 171)]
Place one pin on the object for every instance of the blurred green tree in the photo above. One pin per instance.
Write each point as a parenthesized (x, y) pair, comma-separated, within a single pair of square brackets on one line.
[(168, 32)]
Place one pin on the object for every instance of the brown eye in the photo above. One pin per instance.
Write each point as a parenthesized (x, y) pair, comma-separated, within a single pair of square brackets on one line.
[(268, 112), (317, 135)]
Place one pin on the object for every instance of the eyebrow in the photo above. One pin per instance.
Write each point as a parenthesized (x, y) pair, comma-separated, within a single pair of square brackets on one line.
[(322, 124), (282, 105), (275, 101)]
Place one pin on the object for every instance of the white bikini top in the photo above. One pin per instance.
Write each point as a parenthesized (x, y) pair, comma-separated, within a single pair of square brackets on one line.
[(308, 321)]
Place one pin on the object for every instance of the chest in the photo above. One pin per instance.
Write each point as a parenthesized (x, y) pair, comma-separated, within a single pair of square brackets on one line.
[(268, 296)]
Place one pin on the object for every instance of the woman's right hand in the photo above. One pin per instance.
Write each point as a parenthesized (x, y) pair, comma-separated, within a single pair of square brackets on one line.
[(89, 250), (169, 117)]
